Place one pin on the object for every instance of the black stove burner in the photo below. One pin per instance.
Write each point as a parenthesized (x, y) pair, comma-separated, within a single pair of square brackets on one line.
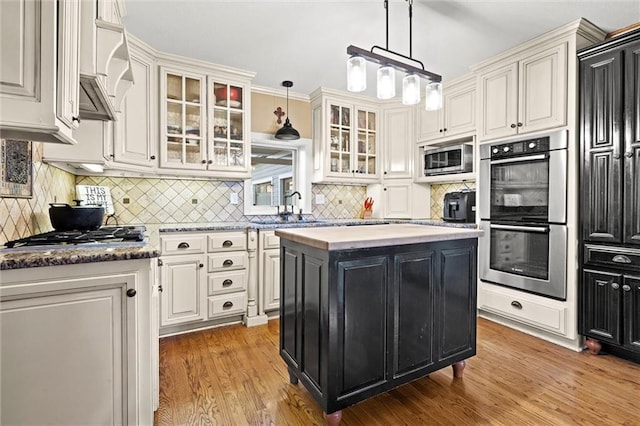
[(106, 234)]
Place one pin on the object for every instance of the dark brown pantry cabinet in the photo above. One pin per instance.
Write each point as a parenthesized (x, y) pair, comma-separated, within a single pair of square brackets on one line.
[(610, 195), (356, 323)]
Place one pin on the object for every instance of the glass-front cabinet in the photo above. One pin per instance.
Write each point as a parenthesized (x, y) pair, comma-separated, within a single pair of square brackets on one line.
[(345, 139), (204, 124)]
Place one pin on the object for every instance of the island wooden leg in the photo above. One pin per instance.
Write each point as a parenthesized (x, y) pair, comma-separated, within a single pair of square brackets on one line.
[(292, 377), (334, 418), (458, 368), (594, 346)]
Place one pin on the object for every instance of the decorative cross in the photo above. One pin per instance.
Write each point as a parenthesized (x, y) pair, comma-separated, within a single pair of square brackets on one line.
[(279, 113)]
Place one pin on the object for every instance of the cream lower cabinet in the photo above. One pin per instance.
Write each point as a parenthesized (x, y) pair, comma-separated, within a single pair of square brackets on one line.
[(77, 344), (204, 279), (269, 267)]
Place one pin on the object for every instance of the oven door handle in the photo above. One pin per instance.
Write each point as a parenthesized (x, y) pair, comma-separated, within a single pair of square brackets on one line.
[(539, 229), (520, 159)]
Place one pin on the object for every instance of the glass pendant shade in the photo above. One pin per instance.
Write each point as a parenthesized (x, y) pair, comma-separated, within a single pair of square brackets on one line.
[(433, 96), (356, 74), (386, 82), (411, 89)]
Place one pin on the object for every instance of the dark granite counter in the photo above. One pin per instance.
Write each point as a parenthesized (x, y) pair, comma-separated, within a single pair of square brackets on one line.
[(32, 257)]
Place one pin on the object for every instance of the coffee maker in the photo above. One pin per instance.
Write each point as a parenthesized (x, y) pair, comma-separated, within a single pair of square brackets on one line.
[(459, 207)]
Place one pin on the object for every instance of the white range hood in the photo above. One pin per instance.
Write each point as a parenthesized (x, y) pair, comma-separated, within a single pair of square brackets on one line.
[(105, 66)]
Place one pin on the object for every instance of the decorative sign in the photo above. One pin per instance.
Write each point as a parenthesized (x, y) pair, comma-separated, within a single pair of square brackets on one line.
[(16, 169), (95, 196)]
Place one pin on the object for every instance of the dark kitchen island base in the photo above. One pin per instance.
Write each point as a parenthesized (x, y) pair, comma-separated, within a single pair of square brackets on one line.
[(358, 322)]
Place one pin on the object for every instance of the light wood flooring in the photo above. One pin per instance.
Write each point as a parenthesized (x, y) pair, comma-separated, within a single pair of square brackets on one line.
[(234, 376)]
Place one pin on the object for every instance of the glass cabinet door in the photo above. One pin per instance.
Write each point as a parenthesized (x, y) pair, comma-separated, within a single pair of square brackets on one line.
[(183, 139), (340, 139), (367, 142), (227, 125)]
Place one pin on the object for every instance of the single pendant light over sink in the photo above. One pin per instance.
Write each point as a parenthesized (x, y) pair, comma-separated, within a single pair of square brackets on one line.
[(287, 132), (357, 75)]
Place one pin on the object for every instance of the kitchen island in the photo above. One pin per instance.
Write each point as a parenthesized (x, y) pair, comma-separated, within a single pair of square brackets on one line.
[(365, 309)]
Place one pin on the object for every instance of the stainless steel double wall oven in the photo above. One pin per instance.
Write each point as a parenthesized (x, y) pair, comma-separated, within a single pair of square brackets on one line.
[(523, 212)]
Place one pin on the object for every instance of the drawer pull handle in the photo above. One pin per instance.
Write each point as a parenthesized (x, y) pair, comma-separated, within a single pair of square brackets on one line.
[(620, 258), (227, 243), (626, 287), (227, 283), (201, 265), (615, 286), (227, 304), (227, 262), (516, 304), (183, 245)]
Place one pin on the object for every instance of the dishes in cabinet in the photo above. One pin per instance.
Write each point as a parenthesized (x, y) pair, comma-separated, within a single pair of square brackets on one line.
[(219, 132), (232, 104), (173, 130), (193, 131)]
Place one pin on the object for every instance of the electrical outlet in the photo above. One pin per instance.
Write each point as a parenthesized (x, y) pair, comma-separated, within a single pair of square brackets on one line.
[(234, 198), (319, 198)]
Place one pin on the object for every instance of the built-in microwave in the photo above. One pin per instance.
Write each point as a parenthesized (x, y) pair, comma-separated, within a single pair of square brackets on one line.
[(448, 159)]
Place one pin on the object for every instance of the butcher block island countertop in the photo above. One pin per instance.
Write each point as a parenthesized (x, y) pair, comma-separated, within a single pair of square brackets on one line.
[(354, 237), (365, 309)]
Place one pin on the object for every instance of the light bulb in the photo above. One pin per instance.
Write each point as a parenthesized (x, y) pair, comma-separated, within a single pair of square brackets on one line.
[(433, 96), (386, 82), (411, 89), (356, 74)]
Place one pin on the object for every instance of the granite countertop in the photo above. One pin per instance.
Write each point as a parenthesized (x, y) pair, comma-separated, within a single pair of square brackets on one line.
[(32, 257), (356, 237)]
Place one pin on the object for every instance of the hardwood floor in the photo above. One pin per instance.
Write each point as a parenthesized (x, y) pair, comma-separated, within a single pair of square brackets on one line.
[(234, 376)]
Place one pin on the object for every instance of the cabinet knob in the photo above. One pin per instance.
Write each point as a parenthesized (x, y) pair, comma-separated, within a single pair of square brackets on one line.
[(616, 156), (227, 304), (131, 292), (513, 126), (626, 287), (440, 130), (227, 262), (516, 304), (384, 189), (183, 245), (227, 282), (153, 157), (160, 288), (628, 154), (201, 265), (210, 162), (519, 124), (76, 119), (385, 173), (227, 243), (204, 161), (615, 286), (445, 129)]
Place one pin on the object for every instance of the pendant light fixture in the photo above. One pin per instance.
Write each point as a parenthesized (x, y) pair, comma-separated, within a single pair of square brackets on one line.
[(356, 71), (287, 132)]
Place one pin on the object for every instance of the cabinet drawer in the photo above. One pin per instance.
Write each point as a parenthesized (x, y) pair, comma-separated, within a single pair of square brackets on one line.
[(522, 309), (615, 257), (227, 241), (227, 304), (227, 261), (270, 240), (224, 282), (183, 244)]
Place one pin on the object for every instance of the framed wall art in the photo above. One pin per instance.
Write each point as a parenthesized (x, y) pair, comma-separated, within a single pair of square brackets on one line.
[(16, 168)]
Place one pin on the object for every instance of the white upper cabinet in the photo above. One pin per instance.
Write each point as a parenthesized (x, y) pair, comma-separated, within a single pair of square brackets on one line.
[(39, 70), (205, 119), (526, 95), (345, 138), (532, 86), (455, 119), (398, 144)]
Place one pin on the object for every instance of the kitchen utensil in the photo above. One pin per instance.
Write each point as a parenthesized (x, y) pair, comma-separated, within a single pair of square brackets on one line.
[(65, 217)]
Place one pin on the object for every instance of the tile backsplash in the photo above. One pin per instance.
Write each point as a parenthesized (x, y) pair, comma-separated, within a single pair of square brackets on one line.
[(21, 217), (437, 195), (152, 201)]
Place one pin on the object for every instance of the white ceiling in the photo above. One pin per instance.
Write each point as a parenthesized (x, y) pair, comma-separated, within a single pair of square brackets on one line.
[(305, 41)]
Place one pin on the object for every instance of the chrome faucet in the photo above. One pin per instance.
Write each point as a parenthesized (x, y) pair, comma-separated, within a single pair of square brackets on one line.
[(285, 214)]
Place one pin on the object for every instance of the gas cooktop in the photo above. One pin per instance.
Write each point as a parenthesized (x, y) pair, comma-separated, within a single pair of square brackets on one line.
[(105, 234)]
